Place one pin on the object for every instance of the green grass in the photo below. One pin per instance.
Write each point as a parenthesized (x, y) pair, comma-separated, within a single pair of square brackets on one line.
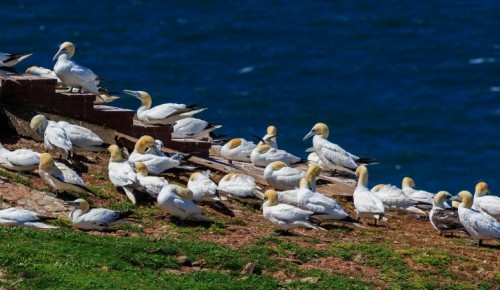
[(17, 177)]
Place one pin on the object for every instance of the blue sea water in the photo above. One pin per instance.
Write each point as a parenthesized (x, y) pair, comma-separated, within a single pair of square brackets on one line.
[(415, 84)]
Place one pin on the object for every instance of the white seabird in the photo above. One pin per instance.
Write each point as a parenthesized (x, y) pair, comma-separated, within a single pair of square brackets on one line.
[(367, 203), (241, 187), (121, 173), (82, 139), (489, 204), (394, 198), (156, 164), (202, 187), (445, 219), (408, 187), (24, 160), (177, 202), (54, 136), (281, 176), (22, 217), (43, 72), (285, 216), (264, 154), (271, 137), (192, 128), (152, 185), (332, 155), (480, 225), (60, 179), (73, 74), (237, 149), (11, 59), (164, 114), (98, 219)]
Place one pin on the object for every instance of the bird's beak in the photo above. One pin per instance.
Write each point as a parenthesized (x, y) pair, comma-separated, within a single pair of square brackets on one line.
[(71, 203), (456, 198), (310, 149), (309, 135), (133, 94), (58, 54)]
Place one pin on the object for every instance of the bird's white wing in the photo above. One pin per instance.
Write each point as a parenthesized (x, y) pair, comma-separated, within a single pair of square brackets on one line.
[(24, 157), (288, 213)]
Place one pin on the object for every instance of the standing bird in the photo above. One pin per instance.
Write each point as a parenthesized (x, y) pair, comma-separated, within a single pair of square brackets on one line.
[(24, 160), (22, 217), (60, 179), (11, 59), (164, 114), (54, 136), (241, 187), (152, 185), (73, 74), (270, 137), (481, 226), (285, 216), (237, 149), (445, 219), (177, 201), (121, 173), (262, 155), (192, 128), (155, 163), (408, 186), (98, 219), (202, 187), (332, 155), (82, 139), (367, 203), (489, 204)]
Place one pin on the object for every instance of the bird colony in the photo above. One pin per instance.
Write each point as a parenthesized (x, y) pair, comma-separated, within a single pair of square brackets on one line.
[(290, 201)]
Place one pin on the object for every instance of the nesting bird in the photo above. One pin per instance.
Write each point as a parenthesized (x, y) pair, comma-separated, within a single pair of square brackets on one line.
[(481, 226), (332, 155), (152, 185), (54, 136), (445, 219), (82, 139), (164, 114), (156, 164), (98, 219), (489, 204), (408, 187), (394, 198), (122, 174), (43, 72), (192, 128), (202, 187), (60, 179), (285, 216), (237, 149), (241, 187), (367, 203), (24, 160), (281, 176), (270, 138), (23, 217), (73, 74), (264, 154), (177, 202)]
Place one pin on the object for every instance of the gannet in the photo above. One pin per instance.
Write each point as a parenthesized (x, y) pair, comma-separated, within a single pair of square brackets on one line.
[(98, 219), (177, 202), (489, 204), (105, 98), (367, 203), (22, 217), (11, 59), (265, 154), (43, 72), (332, 155), (282, 177), (192, 128), (156, 164), (152, 185), (164, 114), (393, 198), (480, 225), (408, 186), (54, 136), (237, 149), (313, 158), (443, 218), (202, 187), (60, 179), (82, 139), (24, 160), (285, 216), (73, 74), (121, 173), (271, 137), (241, 187)]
